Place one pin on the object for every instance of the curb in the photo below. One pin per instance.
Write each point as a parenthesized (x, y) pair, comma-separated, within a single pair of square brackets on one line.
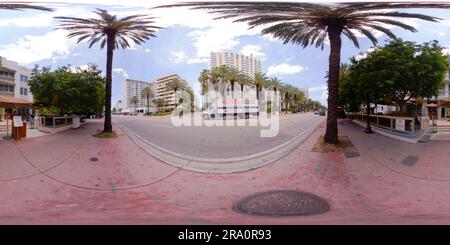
[(220, 165)]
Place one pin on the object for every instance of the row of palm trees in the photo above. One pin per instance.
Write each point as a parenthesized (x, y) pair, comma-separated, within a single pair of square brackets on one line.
[(299, 23), (225, 78)]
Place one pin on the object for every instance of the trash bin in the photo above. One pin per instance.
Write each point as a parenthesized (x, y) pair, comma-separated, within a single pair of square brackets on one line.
[(76, 122)]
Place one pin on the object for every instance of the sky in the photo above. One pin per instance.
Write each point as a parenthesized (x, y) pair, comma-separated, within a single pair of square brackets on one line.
[(184, 44)]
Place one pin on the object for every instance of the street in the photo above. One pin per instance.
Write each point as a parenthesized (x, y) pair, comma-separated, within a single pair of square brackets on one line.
[(216, 142)]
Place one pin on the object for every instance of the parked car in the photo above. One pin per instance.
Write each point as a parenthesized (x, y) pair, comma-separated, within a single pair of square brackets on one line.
[(316, 112), (322, 112)]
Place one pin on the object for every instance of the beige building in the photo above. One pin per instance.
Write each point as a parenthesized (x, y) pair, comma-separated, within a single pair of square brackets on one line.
[(162, 92), (14, 83), (248, 65)]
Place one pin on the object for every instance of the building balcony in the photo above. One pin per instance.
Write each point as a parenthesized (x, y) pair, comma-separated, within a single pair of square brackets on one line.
[(7, 80)]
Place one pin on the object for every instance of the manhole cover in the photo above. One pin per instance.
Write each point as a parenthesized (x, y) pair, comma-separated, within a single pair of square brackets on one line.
[(282, 202), (93, 159)]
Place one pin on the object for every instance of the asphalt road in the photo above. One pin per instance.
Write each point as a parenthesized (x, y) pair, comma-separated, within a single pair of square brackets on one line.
[(216, 142)]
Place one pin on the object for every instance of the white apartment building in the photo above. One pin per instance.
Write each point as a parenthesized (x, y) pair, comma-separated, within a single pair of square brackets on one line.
[(162, 92), (134, 88), (248, 65), (14, 83)]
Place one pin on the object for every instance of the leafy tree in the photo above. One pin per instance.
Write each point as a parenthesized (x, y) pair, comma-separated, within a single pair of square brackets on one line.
[(308, 24), (407, 70), (67, 90), (113, 33)]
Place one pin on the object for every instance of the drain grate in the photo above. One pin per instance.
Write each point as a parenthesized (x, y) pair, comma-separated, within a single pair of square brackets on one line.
[(282, 202), (93, 159), (410, 161)]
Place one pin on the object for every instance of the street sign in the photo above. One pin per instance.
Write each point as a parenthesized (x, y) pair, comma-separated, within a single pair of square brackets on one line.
[(18, 121)]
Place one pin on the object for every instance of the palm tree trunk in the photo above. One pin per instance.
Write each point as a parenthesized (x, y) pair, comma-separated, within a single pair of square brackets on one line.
[(286, 101), (331, 134), (107, 127), (148, 104), (368, 128)]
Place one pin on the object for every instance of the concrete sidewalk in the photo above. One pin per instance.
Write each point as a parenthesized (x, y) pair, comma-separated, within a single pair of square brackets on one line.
[(74, 178)]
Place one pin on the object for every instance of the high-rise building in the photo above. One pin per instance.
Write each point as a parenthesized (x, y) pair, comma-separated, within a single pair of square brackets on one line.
[(134, 88), (162, 92), (248, 65), (14, 83)]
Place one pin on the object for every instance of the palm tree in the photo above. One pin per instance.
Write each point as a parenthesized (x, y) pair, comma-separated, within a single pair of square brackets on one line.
[(275, 84), (259, 80), (147, 94), (175, 85), (18, 6), (160, 103), (232, 75), (113, 33), (134, 101), (312, 23), (243, 80), (204, 79)]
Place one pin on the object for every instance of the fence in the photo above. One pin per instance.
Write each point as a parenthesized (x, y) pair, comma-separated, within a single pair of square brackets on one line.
[(404, 125)]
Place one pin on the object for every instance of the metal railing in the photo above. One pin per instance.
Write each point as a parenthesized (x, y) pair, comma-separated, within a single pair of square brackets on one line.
[(399, 124)]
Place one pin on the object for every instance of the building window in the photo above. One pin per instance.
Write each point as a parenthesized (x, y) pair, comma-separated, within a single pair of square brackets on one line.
[(23, 78), (6, 88), (23, 91), (7, 74)]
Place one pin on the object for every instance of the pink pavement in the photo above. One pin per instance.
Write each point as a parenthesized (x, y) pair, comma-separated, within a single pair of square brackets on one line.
[(51, 180)]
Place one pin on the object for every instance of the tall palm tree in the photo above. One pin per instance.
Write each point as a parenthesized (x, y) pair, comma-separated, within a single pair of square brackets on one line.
[(21, 6), (204, 79), (232, 75), (175, 85), (147, 94), (134, 101), (274, 84), (215, 77), (312, 23), (243, 80), (113, 33), (259, 80)]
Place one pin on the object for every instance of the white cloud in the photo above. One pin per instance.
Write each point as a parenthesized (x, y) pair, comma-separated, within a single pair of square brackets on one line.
[(363, 55), (197, 60), (446, 50), (121, 72), (285, 68), (32, 48), (254, 50), (178, 57), (147, 50), (222, 35), (319, 88)]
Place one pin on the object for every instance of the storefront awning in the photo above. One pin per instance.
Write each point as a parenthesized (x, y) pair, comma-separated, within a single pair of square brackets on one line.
[(444, 102), (11, 102)]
